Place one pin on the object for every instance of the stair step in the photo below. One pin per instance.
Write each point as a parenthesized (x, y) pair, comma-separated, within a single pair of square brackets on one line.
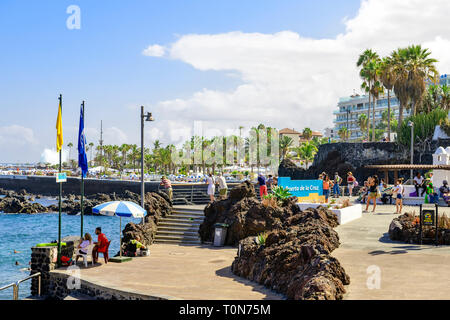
[(176, 237), (175, 232), (189, 213), (185, 216), (178, 224), (178, 228), (169, 241), (182, 220)]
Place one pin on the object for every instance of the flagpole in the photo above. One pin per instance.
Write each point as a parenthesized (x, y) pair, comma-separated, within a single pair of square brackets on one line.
[(60, 196), (82, 189)]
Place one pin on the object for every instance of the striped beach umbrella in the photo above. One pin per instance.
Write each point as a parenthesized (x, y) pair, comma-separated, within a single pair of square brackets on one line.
[(120, 209)]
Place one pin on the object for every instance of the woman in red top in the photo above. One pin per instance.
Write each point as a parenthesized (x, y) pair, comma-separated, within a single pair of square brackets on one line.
[(326, 187), (351, 183)]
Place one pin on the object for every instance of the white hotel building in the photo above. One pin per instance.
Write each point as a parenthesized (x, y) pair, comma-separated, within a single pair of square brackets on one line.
[(349, 109)]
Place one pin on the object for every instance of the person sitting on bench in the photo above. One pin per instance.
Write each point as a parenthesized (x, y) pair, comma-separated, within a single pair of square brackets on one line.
[(444, 191), (419, 183)]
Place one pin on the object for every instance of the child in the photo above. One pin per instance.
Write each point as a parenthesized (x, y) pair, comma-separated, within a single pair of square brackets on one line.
[(83, 247), (399, 191)]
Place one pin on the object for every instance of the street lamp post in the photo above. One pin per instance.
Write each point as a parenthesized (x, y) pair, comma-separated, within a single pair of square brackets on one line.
[(411, 124), (144, 117)]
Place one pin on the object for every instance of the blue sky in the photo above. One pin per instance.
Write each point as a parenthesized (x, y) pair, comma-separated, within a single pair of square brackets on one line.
[(103, 63)]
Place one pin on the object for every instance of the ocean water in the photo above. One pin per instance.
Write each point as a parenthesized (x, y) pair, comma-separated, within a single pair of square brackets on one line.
[(22, 231)]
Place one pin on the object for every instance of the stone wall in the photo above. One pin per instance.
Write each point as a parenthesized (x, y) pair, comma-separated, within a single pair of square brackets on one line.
[(43, 260), (47, 186), (58, 290)]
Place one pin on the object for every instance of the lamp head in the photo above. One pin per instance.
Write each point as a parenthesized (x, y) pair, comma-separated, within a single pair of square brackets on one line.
[(149, 117), (410, 123)]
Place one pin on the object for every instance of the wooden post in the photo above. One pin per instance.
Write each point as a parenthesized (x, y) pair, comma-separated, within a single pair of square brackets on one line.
[(386, 176), (395, 175)]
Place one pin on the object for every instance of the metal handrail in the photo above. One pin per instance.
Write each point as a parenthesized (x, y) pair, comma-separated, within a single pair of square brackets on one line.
[(16, 284)]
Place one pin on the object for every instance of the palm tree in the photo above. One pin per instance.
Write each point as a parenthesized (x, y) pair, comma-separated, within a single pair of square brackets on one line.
[(387, 77), (421, 68), (362, 122), (445, 97), (377, 88), (240, 130), (70, 146), (285, 143), (367, 61), (91, 147), (343, 133), (307, 133), (307, 151)]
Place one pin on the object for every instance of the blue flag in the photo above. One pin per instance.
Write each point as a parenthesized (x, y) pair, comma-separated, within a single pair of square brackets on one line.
[(82, 157)]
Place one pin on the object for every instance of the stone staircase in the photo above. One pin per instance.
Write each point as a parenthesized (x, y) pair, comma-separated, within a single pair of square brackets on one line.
[(181, 227)]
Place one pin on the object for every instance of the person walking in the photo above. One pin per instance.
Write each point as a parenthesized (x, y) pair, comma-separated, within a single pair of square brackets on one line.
[(336, 183), (167, 186), (223, 188), (350, 183), (211, 187), (262, 186)]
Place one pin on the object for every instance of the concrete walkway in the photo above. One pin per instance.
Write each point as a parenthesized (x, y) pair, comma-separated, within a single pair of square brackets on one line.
[(406, 271), (180, 272)]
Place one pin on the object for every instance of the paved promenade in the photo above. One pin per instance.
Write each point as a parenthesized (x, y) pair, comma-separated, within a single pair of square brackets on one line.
[(180, 272), (407, 271)]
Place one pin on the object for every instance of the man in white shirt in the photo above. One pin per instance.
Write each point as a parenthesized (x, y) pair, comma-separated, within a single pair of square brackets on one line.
[(418, 183)]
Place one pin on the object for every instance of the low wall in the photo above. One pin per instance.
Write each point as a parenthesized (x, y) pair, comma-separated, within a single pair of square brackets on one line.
[(47, 186), (56, 283), (60, 281)]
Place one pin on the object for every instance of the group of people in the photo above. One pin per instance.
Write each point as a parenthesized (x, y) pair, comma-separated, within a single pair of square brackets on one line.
[(335, 183), (100, 246), (374, 189)]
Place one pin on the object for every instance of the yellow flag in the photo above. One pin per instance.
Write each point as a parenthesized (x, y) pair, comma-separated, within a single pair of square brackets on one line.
[(59, 130)]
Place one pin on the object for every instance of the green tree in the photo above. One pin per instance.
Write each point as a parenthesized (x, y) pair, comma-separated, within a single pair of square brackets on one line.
[(368, 61), (362, 122), (343, 133), (387, 77), (307, 152), (307, 133), (70, 146), (285, 143)]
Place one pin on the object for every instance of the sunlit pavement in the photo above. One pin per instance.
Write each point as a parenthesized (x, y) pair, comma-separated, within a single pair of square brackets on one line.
[(383, 269)]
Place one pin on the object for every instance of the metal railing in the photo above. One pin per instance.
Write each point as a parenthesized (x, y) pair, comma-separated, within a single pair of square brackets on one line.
[(16, 285)]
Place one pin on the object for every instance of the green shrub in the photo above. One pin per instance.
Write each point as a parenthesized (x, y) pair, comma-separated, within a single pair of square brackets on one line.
[(261, 238), (281, 193), (424, 125)]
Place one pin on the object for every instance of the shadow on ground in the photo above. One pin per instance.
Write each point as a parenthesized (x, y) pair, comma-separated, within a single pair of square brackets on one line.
[(226, 272)]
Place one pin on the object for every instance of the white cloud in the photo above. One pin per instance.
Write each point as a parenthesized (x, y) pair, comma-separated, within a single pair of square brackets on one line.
[(292, 81), (114, 135), (154, 51), (52, 157), (17, 135)]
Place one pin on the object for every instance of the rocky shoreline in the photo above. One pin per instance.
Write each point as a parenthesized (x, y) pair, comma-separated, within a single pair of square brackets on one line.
[(282, 247)]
